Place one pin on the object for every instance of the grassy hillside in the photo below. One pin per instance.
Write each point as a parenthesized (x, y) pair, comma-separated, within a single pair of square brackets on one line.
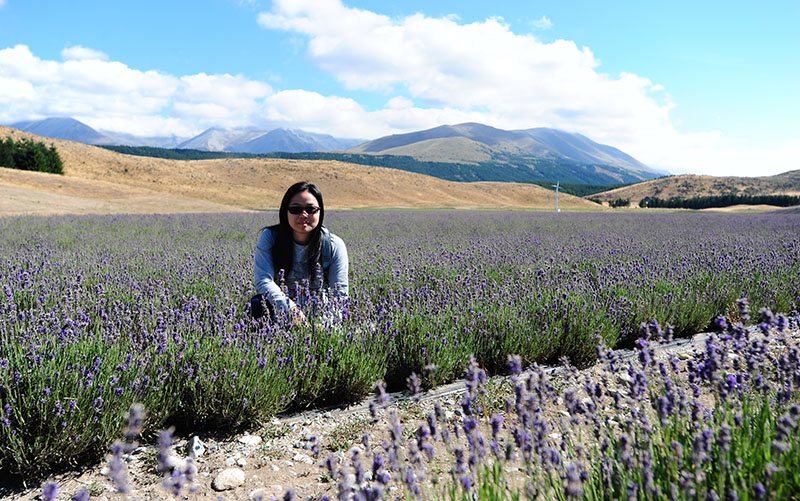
[(504, 169), (690, 186), (250, 183)]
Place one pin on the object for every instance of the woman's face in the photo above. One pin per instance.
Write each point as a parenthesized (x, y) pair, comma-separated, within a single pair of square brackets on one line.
[(303, 223)]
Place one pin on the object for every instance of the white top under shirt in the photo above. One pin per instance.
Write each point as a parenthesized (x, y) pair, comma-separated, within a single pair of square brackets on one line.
[(264, 272)]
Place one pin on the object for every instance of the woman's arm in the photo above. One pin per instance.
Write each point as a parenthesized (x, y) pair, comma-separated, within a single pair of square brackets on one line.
[(337, 272), (264, 273)]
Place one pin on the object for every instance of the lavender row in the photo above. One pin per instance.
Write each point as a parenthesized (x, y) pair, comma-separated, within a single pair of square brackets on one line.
[(719, 421), (100, 312)]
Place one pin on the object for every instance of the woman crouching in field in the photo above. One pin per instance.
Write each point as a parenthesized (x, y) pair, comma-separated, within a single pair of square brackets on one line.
[(300, 253)]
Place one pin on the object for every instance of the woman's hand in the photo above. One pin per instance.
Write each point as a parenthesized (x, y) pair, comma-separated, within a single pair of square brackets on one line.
[(298, 317)]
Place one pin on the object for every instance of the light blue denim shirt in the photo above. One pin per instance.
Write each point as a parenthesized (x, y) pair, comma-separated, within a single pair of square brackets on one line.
[(264, 272)]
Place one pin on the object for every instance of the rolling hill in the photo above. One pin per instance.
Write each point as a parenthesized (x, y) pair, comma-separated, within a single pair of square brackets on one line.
[(107, 181), (692, 186), (486, 153)]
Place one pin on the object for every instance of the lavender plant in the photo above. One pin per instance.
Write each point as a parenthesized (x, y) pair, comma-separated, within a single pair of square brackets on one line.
[(719, 424), (97, 313)]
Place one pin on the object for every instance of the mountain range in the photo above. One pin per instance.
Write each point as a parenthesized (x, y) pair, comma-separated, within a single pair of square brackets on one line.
[(462, 152), (248, 140), (538, 149)]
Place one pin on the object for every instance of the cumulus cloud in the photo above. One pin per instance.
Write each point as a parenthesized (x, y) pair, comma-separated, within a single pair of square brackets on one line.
[(482, 69), (109, 95), (429, 72), (78, 53), (345, 117)]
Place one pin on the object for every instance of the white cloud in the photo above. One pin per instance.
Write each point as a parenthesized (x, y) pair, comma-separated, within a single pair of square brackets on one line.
[(345, 117), (399, 103), (516, 80), (543, 24), (78, 53), (429, 71), (485, 71), (109, 95)]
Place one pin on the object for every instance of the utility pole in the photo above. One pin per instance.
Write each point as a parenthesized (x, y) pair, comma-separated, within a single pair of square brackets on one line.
[(556, 187)]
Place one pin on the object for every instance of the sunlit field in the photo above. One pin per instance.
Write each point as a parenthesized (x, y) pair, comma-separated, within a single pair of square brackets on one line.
[(99, 313)]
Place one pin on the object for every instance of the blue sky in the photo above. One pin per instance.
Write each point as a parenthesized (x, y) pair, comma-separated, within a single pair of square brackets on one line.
[(702, 87)]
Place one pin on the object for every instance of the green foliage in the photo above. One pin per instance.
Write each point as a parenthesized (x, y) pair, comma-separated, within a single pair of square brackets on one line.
[(30, 155), (620, 202), (175, 154), (151, 308), (711, 202)]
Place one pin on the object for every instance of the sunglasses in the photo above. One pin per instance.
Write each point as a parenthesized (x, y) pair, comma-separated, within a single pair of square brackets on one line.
[(299, 209)]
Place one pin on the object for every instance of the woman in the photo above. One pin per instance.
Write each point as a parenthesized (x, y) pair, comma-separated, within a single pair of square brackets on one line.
[(297, 251)]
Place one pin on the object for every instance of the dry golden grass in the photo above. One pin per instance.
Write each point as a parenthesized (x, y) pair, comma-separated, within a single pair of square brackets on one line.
[(134, 184), (691, 185), (450, 149)]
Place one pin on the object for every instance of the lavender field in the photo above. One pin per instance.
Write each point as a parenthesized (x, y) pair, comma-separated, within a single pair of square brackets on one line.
[(99, 313)]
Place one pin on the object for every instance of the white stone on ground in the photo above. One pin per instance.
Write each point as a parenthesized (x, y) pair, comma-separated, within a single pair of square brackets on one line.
[(303, 458), (251, 440), (258, 493), (228, 479), (175, 463), (195, 448)]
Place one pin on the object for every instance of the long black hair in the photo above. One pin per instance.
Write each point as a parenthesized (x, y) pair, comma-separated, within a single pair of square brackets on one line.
[(283, 250)]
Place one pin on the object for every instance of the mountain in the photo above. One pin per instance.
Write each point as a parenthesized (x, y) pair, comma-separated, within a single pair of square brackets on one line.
[(217, 139), (292, 141), (518, 155), (259, 141), (75, 130), (692, 186), (249, 140), (582, 149), (63, 128), (97, 180)]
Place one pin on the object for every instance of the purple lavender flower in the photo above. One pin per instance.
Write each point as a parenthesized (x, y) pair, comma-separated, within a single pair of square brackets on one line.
[(497, 422), (50, 491), (514, 364), (573, 485), (759, 492), (164, 448), (136, 418), (82, 495), (414, 386), (118, 471)]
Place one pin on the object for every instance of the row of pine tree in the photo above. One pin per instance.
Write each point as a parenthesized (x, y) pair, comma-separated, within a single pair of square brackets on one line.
[(30, 155)]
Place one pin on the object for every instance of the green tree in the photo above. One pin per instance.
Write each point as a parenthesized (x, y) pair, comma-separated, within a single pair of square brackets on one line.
[(7, 150), (30, 155), (54, 163)]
